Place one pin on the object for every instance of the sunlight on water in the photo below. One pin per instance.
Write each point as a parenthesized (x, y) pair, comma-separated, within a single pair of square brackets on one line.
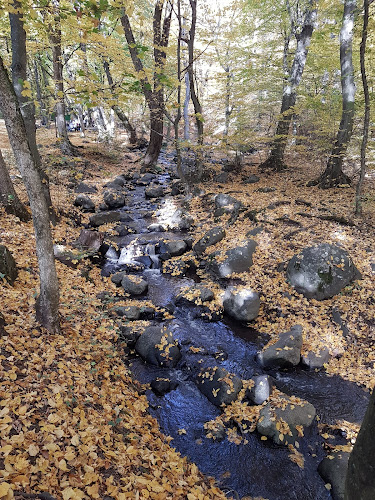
[(129, 253)]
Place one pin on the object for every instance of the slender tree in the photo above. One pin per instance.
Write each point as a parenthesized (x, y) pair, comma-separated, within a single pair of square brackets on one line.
[(366, 118), (48, 300), (19, 78), (153, 89), (8, 196), (133, 139), (333, 174), (275, 159)]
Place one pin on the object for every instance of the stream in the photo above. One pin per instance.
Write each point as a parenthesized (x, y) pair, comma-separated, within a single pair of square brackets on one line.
[(258, 468)]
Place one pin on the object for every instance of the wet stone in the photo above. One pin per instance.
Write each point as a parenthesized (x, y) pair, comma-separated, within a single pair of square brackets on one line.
[(261, 390), (157, 346), (241, 303), (114, 199), (294, 414), (131, 313), (154, 191), (333, 471), (316, 360), (212, 237), (107, 218), (84, 203), (172, 248), (134, 285), (156, 228), (285, 353), (218, 385), (234, 260), (162, 386)]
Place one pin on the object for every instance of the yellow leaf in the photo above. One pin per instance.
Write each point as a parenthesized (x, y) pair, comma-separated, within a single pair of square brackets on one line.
[(263, 438), (69, 455), (75, 440), (6, 449), (62, 465), (27, 93), (33, 450), (4, 488)]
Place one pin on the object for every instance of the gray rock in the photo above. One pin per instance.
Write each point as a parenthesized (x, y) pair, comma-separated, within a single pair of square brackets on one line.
[(118, 277), (234, 260), (316, 360), (177, 187), (97, 220), (218, 385), (8, 266), (285, 353), (172, 248), (156, 228), (241, 303), (114, 199), (131, 313), (266, 190), (251, 179), (91, 240), (261, 391), (212, 237), (333, 471), (162, 386), (84, 203), (281, 423), (84, 188), (134, 285), (128, 335), (222, 177), (321, 271), (117, 181), (154, 191), (198, 292), (157, 346), (123, 230), (226, 204), (146, 179)]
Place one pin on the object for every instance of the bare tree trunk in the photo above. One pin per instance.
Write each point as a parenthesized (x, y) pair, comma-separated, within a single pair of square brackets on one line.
[(333, 174), (48, 300), (366, 119), (119, 112), (360, 478), (43, 111), (194, 95), (275, 159), (186, 108), (8, 196), (19, 65), (153, 90), (55, 39), (81, 120), (228, 107)]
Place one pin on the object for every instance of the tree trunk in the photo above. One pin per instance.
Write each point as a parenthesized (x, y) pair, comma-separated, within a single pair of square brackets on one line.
[(186, 108), (152, 90), (43, 112), (119, 112), (19, 76), (8, 196), (360, 478), (55, 40), (366, 119), (333, 174), (275, 159), (48, 300)]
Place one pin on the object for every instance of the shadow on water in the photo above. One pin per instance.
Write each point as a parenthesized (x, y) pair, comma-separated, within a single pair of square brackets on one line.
[(257, 468)]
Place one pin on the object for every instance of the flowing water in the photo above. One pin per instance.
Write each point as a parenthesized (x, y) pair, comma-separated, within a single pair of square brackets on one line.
[(257, 468)]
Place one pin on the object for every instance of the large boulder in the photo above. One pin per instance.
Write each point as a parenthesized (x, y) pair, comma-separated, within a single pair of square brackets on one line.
[(284, 421), (315, 360), (114, 199), (218, 385), (84, 203), (154, 191), (226, 204), (241, 303), (333, 470), (234, 260), (85, 188), (157, 347), (134, 285), (285, 353), (171, 248), (8, 267), (212, 237), (321, 271), (100, 219), (91, 240)]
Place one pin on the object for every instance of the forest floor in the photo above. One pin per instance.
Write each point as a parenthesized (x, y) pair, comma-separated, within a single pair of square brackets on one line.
[(73, 422)]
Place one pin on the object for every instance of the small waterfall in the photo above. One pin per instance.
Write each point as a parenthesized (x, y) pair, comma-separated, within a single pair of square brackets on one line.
[(129, 253), (150, 250)]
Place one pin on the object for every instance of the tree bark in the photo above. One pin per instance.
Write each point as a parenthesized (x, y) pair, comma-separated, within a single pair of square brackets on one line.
[(152, 90), (194, 95), (55, 40), (19, 76), (333, 174), (360, 478), (8, 196), (133, 139), (366, 119), (43, 112), (48, 300), (275, 159)]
